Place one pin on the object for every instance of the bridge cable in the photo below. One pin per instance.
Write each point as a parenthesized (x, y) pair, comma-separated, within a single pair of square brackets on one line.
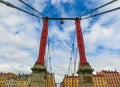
[(13, 6), (98, 7), (31, 7), (71, 57), (111, 10), (75, 60), (46, 60), (49, 56)]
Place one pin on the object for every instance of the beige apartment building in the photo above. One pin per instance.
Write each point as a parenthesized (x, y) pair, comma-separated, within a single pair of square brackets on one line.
[(11, 82), (113, 78), (50, 80), (70, 81), (22, 80), (101, 79), (4, 77)]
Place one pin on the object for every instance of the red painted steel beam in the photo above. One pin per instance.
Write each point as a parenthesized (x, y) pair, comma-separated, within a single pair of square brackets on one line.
[(80, 42), (43, 42)]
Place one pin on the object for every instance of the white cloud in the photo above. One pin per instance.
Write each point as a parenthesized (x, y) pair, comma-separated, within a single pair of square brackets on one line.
[(5, 11), (62, 34), (105, 61), (103, 32), (40, 4), (17, 41)]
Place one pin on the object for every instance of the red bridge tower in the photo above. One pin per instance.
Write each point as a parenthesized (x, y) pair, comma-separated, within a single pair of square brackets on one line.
[(39, 72), (85, 70)]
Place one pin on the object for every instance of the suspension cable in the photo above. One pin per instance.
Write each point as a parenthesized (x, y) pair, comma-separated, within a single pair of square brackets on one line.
[(101, 13), (82, 18), (75, 60), (69, 68), (71, 57), (98, 7), (70, 64), (75, 56), (13, 6), (31, 7), (46, 60), (74, 49), (50, 67)]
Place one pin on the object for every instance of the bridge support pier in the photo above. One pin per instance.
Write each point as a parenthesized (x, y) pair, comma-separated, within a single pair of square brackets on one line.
[(85, 76), (38, 76)]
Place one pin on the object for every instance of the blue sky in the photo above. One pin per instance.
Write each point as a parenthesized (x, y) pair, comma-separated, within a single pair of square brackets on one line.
[(20, 35)]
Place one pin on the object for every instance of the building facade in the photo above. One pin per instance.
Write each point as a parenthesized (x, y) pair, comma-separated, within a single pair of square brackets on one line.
[(4, 77), (11, 82), (50, 80), (113, 78), (101, 79), (70, 81), (22, 80)]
